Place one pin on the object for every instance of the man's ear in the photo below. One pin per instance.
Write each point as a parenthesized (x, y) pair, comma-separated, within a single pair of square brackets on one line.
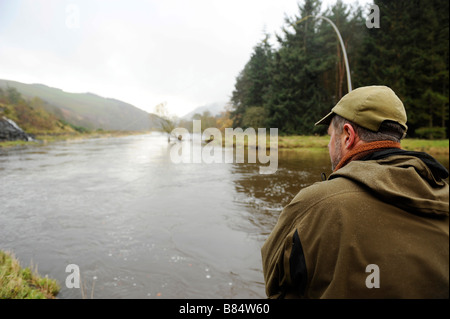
[(350, 138)]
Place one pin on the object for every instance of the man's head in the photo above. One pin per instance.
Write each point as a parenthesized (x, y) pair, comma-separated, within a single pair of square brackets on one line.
[(367, 114)]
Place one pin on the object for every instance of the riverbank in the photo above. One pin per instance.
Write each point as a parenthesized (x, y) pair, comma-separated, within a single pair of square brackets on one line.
[(320, 144), (49, 138), (23, 283), (293, 142), (314, 143)]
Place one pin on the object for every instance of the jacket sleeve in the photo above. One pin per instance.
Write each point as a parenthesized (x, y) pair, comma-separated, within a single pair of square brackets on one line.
[(284, 264)]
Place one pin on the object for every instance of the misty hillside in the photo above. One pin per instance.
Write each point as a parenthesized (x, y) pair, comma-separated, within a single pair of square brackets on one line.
[(213, 108), (86, 109)]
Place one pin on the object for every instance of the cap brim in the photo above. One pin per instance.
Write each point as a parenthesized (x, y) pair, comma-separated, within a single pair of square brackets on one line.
[(326, 120)]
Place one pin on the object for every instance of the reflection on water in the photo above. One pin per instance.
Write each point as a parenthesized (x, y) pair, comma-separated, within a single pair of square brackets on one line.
[(140, 225), (264, 196)]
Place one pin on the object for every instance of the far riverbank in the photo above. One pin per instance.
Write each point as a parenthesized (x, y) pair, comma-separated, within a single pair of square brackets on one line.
[(50, 138), (433, 147), (293, 142), (320, 143)]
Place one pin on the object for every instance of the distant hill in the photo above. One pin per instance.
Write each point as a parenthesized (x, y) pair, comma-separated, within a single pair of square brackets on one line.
[(29, 118), (86, 109), (213, 108)]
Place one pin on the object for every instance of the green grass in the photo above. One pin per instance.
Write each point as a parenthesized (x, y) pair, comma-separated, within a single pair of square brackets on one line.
[(16, 143), (288, 142), (23, 283), (431, 146), (436, 147), (51, 137), (320, 143), (303, 142), (294, 142)]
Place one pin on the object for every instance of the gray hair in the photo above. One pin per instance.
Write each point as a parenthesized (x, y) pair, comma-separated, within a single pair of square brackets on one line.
[(389, 131)]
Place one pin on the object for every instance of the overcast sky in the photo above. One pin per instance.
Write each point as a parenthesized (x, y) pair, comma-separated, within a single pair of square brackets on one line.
[(186, 53)]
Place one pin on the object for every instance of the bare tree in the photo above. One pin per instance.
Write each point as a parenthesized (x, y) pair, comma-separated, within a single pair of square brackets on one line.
[(165, 121)]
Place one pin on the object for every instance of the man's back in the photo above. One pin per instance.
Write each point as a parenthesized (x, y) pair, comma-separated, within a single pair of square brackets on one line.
[(376, 229)]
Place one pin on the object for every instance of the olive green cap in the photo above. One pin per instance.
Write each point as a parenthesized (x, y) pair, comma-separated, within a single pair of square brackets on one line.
[(368, 107)]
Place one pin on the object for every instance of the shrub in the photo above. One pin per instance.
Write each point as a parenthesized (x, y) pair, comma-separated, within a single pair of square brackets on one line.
[(431, 133)]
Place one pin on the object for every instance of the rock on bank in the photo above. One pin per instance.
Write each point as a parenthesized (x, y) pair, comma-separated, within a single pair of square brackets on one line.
[(10, 131)]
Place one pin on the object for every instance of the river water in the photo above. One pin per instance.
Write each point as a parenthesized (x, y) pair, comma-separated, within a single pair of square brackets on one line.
[(139, 225)]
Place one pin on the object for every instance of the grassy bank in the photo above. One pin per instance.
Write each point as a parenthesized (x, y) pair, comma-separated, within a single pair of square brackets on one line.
[(304, 143), (294, 142), (50, 137), (435, 147), (320, 143), (23, 283)]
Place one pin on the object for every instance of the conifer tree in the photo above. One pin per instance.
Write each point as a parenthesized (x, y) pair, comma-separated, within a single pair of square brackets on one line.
[(409, 53), (296, 97), (253, 82)]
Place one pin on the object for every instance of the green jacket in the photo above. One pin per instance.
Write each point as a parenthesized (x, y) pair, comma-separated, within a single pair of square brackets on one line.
[(377, 228)]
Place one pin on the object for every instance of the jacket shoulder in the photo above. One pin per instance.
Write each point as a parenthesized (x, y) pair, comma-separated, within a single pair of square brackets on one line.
[(323, 191)]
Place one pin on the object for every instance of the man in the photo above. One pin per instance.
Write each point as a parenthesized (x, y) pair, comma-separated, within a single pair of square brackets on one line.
[(378, 227)]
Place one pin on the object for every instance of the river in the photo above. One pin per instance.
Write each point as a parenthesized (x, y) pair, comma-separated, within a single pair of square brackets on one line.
[(139, 225)]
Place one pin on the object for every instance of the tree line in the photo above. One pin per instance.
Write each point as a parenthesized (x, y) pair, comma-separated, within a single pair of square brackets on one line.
[(292, 84)]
